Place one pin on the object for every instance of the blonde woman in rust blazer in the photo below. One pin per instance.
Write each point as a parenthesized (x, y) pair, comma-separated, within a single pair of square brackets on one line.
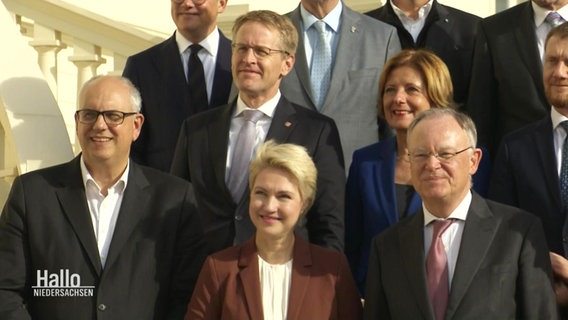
[(275, 274)]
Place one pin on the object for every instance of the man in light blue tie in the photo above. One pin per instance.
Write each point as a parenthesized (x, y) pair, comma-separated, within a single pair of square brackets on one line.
[(339, 77)]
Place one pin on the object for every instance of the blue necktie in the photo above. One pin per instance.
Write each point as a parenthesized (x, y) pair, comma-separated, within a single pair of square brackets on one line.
[(564, 168), (320, 72), (243, 147)]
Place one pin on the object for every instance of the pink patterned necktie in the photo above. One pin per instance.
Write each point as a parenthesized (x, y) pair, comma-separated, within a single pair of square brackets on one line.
[(437, 270), (554, 19)]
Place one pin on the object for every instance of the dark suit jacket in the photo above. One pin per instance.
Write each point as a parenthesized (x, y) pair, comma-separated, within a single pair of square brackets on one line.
[(448, 32), (506, 91), (153, 260), (159, 76), (321, 287), (364, 46), (502, 272), (201, 157), (371, 201), (525, 176)]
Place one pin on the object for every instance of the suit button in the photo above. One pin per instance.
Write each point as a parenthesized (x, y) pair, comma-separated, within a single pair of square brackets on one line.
[(101, 307), (564, 239), (238, 217)]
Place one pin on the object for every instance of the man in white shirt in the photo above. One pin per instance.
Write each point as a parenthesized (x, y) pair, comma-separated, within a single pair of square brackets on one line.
[(531, 167), (446, 31), (506, 91), (490, 261), (173, 85), (210, 155), (100, 236)]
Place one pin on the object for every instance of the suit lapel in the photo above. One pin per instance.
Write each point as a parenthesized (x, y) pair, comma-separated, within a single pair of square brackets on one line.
[(174, 84), (283, 122), (218, 135), (301, 274), (74, 204), (544, 144), (132, 211), (525, 36), (411, 241), (301, 64), (223, 78), (479, 231), (249, 277), (349, 37)]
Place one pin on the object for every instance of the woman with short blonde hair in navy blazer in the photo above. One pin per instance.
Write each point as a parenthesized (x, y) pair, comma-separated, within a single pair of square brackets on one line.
[(379, 191), (276, 274)]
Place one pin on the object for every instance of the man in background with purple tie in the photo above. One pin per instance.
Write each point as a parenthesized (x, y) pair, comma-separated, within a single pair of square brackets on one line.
[(188, 73), (506, 91), (461, 257), (531, 167), (216, 146)]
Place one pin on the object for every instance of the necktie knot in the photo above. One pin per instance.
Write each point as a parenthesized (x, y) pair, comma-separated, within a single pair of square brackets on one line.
[(195, 48), (554, 19), (440, 226), (252, 115), (564, 125), (320, 26)]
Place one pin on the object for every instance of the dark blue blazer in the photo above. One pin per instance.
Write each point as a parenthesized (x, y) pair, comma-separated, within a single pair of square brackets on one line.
[(371, 201), (525, 176), (158, 73)]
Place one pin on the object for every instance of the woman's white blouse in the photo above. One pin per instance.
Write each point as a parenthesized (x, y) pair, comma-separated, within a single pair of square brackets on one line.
[(275, 280)]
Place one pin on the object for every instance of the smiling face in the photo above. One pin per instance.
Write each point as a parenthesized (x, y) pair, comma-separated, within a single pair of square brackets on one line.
[(196, 22), (102, 144), (441, 184), (259, 78), (275, 203), (404, 97), (555, 73)]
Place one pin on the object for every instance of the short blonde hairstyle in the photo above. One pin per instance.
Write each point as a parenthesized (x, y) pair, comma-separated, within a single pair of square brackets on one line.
[(432, 69), (272, 20), (293, 159)]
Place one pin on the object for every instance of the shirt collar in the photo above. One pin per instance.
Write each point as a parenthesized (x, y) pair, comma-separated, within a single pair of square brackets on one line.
[(88, 178), (541, 13), (459, 213), (210, 44), (332, 19), (556, 118), (422, 12), (268, 108)]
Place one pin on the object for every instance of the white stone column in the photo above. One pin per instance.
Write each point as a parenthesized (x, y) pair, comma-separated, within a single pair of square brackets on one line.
[(87, 57), (47, 43)]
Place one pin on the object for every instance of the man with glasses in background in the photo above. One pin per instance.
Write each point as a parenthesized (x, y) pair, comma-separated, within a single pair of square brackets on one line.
[(188, 73), (100, 237), (461, 256), (216, 146)]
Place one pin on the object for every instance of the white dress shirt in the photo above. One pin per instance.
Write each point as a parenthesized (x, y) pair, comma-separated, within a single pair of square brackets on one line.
[(275, 282), (207, 55), (542, 28), (558, 135), (451, 238), (103, 209), (262, 126), (414, 27)]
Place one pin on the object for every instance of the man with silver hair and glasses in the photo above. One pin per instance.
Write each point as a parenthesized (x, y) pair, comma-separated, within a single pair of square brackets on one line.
[(460, 256)]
